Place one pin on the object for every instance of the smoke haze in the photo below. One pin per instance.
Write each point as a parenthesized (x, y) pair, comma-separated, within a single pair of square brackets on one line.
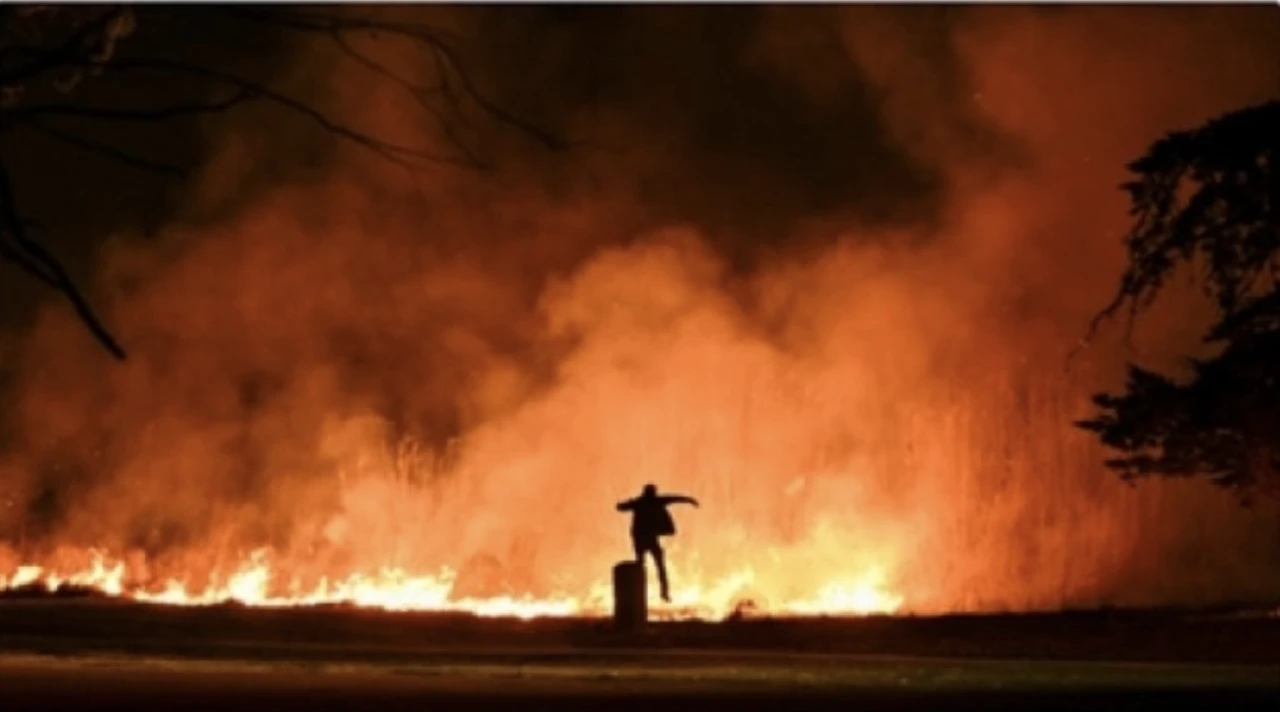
[(820, 268)]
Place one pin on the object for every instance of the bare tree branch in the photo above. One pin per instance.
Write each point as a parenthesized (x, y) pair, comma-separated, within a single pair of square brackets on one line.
[(37, 261), (161, 113), (35, 269), (325, 24), (418, 94), (108, 151), (409, 157), (546, 137), (82, 45), (439, 42)]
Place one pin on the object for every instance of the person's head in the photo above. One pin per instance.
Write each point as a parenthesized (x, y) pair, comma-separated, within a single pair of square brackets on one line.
[(650, 490)]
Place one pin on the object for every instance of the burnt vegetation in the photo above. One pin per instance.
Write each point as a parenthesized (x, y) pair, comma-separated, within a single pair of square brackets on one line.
[(52, 56), (1206, 199)]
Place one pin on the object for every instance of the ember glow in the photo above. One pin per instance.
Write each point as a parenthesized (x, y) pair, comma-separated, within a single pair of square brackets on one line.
[(255, 583)]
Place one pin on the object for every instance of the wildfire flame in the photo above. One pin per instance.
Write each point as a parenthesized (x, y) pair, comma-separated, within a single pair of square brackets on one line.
[(256, 582)]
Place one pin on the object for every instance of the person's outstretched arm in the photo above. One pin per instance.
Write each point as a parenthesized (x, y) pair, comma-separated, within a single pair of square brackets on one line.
[(626, 505), (678, 499)]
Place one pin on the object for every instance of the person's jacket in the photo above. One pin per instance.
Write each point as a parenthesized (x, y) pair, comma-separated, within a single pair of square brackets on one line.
[(649, 516)]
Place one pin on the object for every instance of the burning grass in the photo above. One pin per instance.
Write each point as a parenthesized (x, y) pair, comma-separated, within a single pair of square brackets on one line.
[(255, 582)]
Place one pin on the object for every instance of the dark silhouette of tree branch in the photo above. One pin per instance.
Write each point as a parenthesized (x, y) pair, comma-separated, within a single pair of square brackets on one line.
[(159, 113), (412, 158), (37, 261), (441, 44), (1206, 199), (419, 94), (59, 47), (111, 152)]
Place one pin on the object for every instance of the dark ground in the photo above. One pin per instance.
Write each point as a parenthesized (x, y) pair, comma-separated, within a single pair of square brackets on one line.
[(98, 654)]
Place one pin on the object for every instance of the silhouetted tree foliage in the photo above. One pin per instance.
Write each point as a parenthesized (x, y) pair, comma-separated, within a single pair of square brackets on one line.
[(1206, 198), (46, 52)]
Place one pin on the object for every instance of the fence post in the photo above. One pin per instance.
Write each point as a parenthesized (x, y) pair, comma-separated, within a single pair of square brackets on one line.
[(630, 603)]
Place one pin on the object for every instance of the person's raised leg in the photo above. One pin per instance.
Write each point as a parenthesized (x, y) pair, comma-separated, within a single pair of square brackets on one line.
[(641, 547), (660, 559)]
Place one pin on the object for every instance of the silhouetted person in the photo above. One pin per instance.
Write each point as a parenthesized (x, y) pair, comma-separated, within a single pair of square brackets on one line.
[(650, 520)]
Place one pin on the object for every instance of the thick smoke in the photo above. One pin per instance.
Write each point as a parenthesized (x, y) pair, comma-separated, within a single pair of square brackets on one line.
[(820, 269)]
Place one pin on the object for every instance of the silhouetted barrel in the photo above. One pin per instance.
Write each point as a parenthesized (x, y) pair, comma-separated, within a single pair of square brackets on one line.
[(630, 606)]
